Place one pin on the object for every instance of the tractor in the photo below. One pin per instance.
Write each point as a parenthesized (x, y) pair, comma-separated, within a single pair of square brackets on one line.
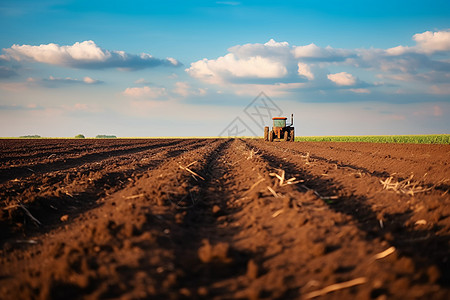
[(280, 130)]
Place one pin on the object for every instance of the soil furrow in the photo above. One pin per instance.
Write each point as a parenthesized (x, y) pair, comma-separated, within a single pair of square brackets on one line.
[(75, 190), (227, 219), (63, 147), (125, 239), (70, 162), (361, 198), (71, 148), (383, 160)]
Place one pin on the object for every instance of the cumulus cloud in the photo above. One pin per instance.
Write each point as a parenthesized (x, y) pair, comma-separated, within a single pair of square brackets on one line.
[(146, 92), (430, 42), (342, 79), (89, 80), (283, 66), (305, 70), (316, 53), (84, 55), (428, 60), (230, 66), (398, 50), (427, 42), (272, 49), (271, 62)]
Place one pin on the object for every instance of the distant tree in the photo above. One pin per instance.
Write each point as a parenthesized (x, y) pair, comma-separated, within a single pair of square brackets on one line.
[(104, 136), (79, 136), (30, 136)]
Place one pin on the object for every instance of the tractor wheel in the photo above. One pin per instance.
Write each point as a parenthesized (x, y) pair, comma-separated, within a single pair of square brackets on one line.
[(292, 135), (271, 136), (266, 133), (286, 136)]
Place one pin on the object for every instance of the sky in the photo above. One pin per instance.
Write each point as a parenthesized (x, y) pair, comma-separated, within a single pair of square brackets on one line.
[(223, 68)]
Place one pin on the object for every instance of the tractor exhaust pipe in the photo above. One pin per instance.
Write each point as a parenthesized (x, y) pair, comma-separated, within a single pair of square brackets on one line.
[(292, 119)]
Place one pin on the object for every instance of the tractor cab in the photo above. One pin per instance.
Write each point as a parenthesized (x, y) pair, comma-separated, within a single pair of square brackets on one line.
[(279, 122), (280, 130)]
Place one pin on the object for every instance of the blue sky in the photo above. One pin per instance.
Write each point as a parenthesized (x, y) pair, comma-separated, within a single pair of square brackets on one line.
[(189, 68)]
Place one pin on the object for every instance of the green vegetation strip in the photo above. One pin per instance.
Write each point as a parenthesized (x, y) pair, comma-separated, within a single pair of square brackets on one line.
[(406, 139)]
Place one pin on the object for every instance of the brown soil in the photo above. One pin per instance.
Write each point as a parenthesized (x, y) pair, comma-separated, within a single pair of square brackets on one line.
[(217, 219)]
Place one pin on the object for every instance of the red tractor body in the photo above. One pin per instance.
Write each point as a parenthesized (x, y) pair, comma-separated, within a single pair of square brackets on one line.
[(280, 130)]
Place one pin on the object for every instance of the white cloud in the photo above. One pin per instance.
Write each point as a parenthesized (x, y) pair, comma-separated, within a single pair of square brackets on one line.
[(84, 55), (145, 92), (328, 53), (256, 63), (399, 50), (173, 61), (427, 42), (430, 42), (89, 80), (229, 66), (305, 70), (269, 64), (342, 79), (272, 49)]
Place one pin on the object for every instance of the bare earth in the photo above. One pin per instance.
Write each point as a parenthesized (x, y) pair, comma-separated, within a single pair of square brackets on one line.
[(223, 219)]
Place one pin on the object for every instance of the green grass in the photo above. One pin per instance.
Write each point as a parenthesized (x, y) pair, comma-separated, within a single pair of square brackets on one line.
[(407, 139)]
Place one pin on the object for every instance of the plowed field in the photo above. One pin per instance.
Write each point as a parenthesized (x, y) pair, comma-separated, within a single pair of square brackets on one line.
[(223, 219)]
